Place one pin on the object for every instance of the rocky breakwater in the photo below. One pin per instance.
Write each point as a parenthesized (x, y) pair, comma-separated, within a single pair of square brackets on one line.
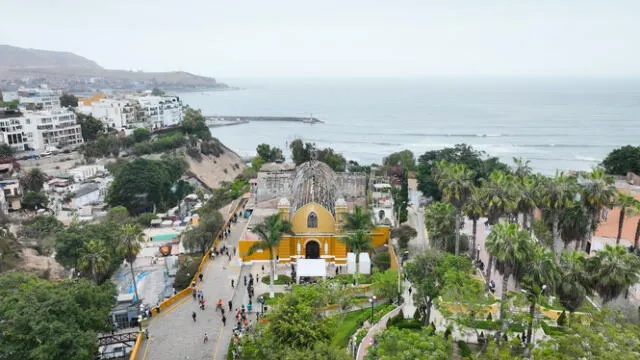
[(217, 121)]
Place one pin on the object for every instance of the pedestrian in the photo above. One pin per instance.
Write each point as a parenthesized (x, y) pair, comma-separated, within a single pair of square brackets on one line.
[(193, 316), (229, 255), (410, 290), (230, 305), (245, 280), (246, 322), (263, 269), (224, 320), (200, 277), (222, 311), (231, 282), (206, 338)]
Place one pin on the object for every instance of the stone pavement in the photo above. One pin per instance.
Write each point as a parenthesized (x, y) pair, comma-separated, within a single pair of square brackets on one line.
[(173, 333)]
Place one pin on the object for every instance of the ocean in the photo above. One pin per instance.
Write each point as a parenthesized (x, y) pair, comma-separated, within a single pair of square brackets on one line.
[(566, 124)]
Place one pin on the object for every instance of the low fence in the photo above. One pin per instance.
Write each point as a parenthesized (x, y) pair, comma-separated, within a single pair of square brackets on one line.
[(185, 292), (375, 329)]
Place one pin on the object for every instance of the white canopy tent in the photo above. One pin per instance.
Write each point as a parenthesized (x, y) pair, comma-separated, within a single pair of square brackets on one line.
[(365, 263), (311, 267)]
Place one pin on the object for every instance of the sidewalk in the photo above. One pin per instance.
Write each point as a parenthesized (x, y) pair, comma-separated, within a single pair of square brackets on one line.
[(174, 335)]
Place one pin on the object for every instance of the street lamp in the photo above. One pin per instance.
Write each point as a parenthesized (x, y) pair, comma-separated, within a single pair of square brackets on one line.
[(261, 300), (372, 300)]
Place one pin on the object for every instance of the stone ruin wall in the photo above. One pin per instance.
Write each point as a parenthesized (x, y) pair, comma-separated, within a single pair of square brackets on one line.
[(277, 184)]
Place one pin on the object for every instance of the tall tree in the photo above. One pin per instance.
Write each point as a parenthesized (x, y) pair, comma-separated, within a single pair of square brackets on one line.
[(301, 152), (440, 221), (198, 239), (404, 233), (426, 280), (538, 272), (68, 100), (129, 247), (270, 232), (357, 242), (455, 183), (33, 180), (623, 160), (557, 195), (49, 320), (90, 127), (576, 284), (624, 202), (510, 247), (613, 269), (403, 159), (94, 259), (598, 192), (474, 209), (358, 219), (498, 195)]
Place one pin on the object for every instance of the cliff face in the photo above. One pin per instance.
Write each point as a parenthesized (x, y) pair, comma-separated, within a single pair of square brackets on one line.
[(211, 169)]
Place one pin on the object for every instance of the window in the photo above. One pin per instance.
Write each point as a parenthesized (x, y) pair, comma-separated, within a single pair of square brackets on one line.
[(312, 220)]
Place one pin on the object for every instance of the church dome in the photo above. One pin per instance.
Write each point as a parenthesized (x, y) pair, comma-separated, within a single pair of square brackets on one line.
[(313, 181)]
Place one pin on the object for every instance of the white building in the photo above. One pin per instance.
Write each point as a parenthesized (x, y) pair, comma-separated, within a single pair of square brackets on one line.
[(12, 131), (39, 99), (114, 113), (52, 128), (82, 173), (161, 111), (87, 195)]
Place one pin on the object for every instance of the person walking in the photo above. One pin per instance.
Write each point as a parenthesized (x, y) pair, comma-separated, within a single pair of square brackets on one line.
[(410, 289), (206, 338), (193, 316), (230, 305), (224, 320), (232, 283), (200, 276), (245, 280)]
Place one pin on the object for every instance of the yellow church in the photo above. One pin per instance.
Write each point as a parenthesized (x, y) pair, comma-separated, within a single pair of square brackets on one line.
[(316, 210)]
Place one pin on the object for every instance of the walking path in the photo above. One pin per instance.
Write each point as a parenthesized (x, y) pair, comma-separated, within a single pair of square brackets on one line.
[(174, 335)]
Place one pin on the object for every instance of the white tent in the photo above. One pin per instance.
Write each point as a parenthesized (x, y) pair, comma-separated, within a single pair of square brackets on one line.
[(311, 267), (365, 263)]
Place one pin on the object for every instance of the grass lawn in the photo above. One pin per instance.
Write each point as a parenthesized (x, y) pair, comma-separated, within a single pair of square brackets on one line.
[(269, 300), (349, 323), (282, 280)]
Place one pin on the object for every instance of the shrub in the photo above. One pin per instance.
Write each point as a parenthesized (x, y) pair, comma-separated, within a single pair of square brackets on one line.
[(185, 275), (465, 351), (562, 319), (382, 260), (145, 219), (282, 280)]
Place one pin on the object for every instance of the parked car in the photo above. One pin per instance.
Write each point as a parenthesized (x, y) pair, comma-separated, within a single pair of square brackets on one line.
[(45, 154)]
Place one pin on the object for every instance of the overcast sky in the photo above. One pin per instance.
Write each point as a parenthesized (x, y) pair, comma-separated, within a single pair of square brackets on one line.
[(337, 37)]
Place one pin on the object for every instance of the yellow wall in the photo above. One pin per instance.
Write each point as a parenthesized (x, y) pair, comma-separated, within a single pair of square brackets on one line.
[(326, 223), (380, 236)]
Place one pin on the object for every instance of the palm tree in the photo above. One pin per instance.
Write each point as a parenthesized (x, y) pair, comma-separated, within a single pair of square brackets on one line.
[(270, 232), (129, 247), (357, 242), (359, 219), (94, 259), (624, 202), (498, 195), (510, 247), (474, 209), (538, 272), (612, 271), (455, 182), (598, 193), (575, 284), (574, 223), (635, 211), (526, 201), (556, 196)]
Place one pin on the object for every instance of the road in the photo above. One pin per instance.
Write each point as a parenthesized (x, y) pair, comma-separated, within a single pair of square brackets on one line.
[(173, 333)]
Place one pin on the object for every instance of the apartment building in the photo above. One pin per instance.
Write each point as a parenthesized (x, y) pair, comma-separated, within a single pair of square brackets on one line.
[(41, 98), (113, 113), (161, 111), (52, 128)]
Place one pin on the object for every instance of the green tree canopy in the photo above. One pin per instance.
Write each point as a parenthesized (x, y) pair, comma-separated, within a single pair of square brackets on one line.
[(5, 151), (385, 284), (33, 180), (144, 184), (440, 221), (194, 123), (608, 337), (141, 134), (90, 127), (335, 160), (405, 344), (68, 100), (403, 159), (301, 152), (269, 154), (197, 239), (462, 154), (46, 320), (622, 160), (34, 200)]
